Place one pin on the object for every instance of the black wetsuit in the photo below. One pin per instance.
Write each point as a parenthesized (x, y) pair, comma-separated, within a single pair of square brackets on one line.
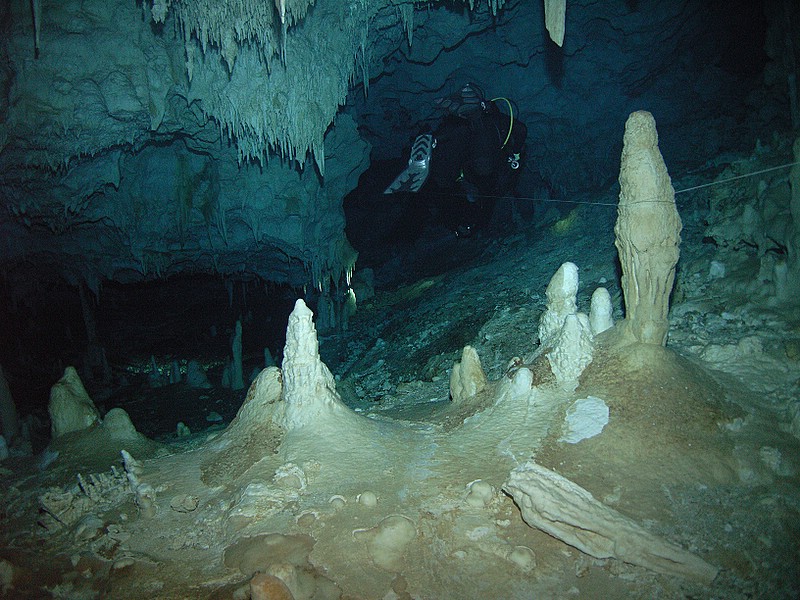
[(473, 164)]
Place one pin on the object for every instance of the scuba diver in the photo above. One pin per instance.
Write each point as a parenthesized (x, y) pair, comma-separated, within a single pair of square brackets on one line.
[(472, 158)]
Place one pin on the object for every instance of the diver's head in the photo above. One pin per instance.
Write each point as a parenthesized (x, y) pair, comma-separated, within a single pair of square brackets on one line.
[(465, 103)]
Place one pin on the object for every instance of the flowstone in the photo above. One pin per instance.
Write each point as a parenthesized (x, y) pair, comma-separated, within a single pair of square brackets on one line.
[(251, 435)]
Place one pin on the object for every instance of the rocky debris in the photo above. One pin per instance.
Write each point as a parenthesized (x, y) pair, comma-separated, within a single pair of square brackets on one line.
[(569, 512)]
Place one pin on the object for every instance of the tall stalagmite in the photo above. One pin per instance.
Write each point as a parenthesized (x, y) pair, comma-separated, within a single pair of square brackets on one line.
[(648, 232), (309, 389)]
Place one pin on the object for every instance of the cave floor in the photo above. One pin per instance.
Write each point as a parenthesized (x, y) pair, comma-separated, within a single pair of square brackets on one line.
[(696, 451)]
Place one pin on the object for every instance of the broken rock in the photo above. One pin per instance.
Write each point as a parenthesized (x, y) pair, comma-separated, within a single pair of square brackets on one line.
[(570, 513)]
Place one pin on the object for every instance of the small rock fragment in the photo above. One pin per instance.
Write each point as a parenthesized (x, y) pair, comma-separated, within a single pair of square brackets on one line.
[(184, 503), (268, 587)]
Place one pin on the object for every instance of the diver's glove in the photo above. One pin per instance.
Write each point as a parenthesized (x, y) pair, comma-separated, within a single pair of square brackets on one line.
[(416, 172)]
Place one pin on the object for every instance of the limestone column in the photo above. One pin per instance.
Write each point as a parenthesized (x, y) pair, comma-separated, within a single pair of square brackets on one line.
[(647, 232)]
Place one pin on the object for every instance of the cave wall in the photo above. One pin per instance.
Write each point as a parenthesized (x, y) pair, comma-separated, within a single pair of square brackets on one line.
[(139, 139), (697, 66), (120, 160)]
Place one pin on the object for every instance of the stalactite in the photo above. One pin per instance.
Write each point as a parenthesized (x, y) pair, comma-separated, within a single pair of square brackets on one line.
[(407, 17), (36, 9), (554, 17), (230, 59)]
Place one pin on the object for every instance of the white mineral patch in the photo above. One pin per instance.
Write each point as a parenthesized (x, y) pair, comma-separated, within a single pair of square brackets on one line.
[(524, 558), (368, 499), (585, 419), (480, 493), (337, 501), (387, 541), (716, 270), (522, 382), (479, 533), (773, 459), (260, 499), (290, 476)]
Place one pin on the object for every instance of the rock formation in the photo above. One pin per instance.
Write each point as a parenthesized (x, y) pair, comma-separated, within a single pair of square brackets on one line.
[(565, 335), (648, 232), (196, 376), (570, 513), (554, 16), (560, 294), (309, 390), (70, 407), (600, 311), (467, 377)]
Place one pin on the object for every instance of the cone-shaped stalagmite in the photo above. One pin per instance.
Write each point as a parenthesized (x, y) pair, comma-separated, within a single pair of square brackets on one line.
[(309, 389), (467, 377), (70, 407), (648, 232)]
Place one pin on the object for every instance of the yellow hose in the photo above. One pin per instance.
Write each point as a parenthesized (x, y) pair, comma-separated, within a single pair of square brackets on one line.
[(510, 116)]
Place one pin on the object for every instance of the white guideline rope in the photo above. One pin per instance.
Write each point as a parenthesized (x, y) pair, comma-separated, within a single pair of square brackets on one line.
[(689, 189)]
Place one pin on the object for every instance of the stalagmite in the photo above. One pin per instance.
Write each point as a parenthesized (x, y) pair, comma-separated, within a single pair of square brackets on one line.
[(648, 232), (555, 12), (600, 311), (570, 513), (309, 390), (70, 407), (467, 377), (560, 294), (572, 351), (564, 333)]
